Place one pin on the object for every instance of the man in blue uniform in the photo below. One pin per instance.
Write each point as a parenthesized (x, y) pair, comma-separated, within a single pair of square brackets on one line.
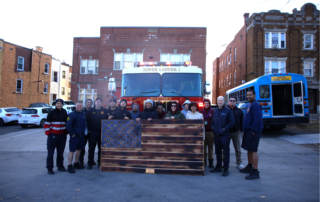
[(252, 127), (94, 117), (222, 122), (86, 137), (76, 126)]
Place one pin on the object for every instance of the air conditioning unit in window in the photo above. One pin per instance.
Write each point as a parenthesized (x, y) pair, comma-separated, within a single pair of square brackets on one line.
[(90, 71), (274, 45)]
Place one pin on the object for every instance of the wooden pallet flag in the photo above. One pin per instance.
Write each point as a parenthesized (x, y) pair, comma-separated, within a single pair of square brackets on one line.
[(156, 146)]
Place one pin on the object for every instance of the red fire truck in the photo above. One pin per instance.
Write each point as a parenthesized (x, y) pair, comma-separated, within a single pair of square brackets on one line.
[(163, 82)]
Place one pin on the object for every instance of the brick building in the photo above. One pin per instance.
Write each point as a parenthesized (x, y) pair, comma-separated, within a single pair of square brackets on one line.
[(118, 47), (24, 75), (229, 68), (284, 43)]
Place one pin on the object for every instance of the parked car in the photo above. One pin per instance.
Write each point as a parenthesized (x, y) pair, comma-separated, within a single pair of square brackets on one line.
[(69, 105), (9, 114), (33, 116), (39, 105)]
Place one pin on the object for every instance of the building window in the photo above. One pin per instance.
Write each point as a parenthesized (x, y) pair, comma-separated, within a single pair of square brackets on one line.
[(230, 59), (63, 90), (235, 54), (46, 68), (308, 41), (167, 57), (275, 40), (69, 92), (234, 76), (55, 77), (214, 69), (85, 94), (89, 67), (20, 66), (308, 67), (227, 80), (126, 60), (70, 77), (219, 83), (45, 88), (19, 85), (64, 74), (275, 65), (230, 81)]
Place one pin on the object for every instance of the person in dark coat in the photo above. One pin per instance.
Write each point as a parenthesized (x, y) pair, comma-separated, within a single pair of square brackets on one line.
[(94, 117), (148, 113), (236, 130), (135, 111), (122, 112), (252, 127), (209, 138), (160, 111), (222, 122), (112, 107), (86, 137)]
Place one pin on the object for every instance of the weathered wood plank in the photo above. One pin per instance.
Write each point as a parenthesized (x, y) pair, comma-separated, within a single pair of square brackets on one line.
[(172, 146), (132, 165), (170, 137), (176, 121), (173, 126), (170, 130), (151, 157), (153, 154), (175, 134), (169, 141), (187, 151)]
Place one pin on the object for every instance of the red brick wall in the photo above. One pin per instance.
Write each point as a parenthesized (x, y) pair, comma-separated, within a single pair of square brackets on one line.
[(32, 90), (137, 39)]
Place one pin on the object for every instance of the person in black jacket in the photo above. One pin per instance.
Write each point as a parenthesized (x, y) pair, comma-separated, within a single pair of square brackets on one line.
[(148, 113), (86, 137), (121, 113), (76, 126), (94, 117), (222, 122), (112, 108), (236, 130)]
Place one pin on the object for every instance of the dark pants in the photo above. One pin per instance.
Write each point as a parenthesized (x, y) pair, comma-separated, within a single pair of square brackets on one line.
[(83, 152), (222, 143), (94, 138), (59, 142)]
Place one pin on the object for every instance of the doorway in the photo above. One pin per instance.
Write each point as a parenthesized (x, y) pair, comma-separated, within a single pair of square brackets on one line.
[(282, 100)]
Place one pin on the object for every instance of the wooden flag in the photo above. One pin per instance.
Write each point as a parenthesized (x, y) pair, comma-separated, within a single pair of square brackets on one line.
[(156, 146)]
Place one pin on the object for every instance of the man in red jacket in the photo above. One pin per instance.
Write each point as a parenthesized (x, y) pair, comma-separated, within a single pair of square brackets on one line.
[(208, 142), (56, 130)]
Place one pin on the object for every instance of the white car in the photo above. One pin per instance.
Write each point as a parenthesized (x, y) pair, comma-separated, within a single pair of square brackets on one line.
[(9, 114), (33, 116), (69, 106)]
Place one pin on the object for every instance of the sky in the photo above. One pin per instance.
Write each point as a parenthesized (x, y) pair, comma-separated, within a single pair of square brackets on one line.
[(53, 24)]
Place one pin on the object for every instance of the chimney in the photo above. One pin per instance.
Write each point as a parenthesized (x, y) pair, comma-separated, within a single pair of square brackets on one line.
[(39, 49), (245, 16)]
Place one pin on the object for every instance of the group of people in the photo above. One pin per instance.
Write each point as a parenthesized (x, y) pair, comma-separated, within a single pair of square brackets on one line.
[(222, 125)]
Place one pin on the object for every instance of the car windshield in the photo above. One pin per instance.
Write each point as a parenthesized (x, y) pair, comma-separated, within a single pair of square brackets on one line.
[(12, 110), (181, 85), (29, 111), (141, 85), (68, 103)]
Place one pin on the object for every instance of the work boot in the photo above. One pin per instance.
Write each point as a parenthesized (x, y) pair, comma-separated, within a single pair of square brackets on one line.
[(78, 166), (205, 162), (50, 171), (70, 169), (99, 164), (216, 170), (62, 169), (94, 163), (81, 163), (210, 163), (247, 169), (89, 167), (225, 172), (253, 175)]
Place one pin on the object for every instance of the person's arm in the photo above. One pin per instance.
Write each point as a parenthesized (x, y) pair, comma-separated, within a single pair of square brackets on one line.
[(47, 124), (257, 117), (88, 117), (182, 116), (231, 121), (70, 121)]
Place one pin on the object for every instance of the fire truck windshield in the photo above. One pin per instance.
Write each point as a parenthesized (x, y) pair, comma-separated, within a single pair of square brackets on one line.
[(141, 85), (174, 85)]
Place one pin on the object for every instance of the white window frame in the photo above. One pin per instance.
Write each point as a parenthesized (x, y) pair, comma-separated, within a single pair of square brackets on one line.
[(230, 79), (45, 87), (309, 60), (46, 72), (84, 69), (235, 54), (270, 60), (122, 60), (83, 92), (234, 76), (230, 59), (63, 90), (70, 75), (268, 40), (168, 55), (19, 57), (53, 76), (21, 89), (313, 37), (69, 92)]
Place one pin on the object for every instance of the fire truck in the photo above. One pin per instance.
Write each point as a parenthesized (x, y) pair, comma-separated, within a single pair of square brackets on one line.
[(162, 82)]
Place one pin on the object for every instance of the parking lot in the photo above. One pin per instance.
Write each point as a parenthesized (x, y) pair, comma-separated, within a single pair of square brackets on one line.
[(289, 171)]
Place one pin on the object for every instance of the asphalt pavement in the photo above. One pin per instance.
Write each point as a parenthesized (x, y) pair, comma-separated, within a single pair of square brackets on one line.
[(289, 171)]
